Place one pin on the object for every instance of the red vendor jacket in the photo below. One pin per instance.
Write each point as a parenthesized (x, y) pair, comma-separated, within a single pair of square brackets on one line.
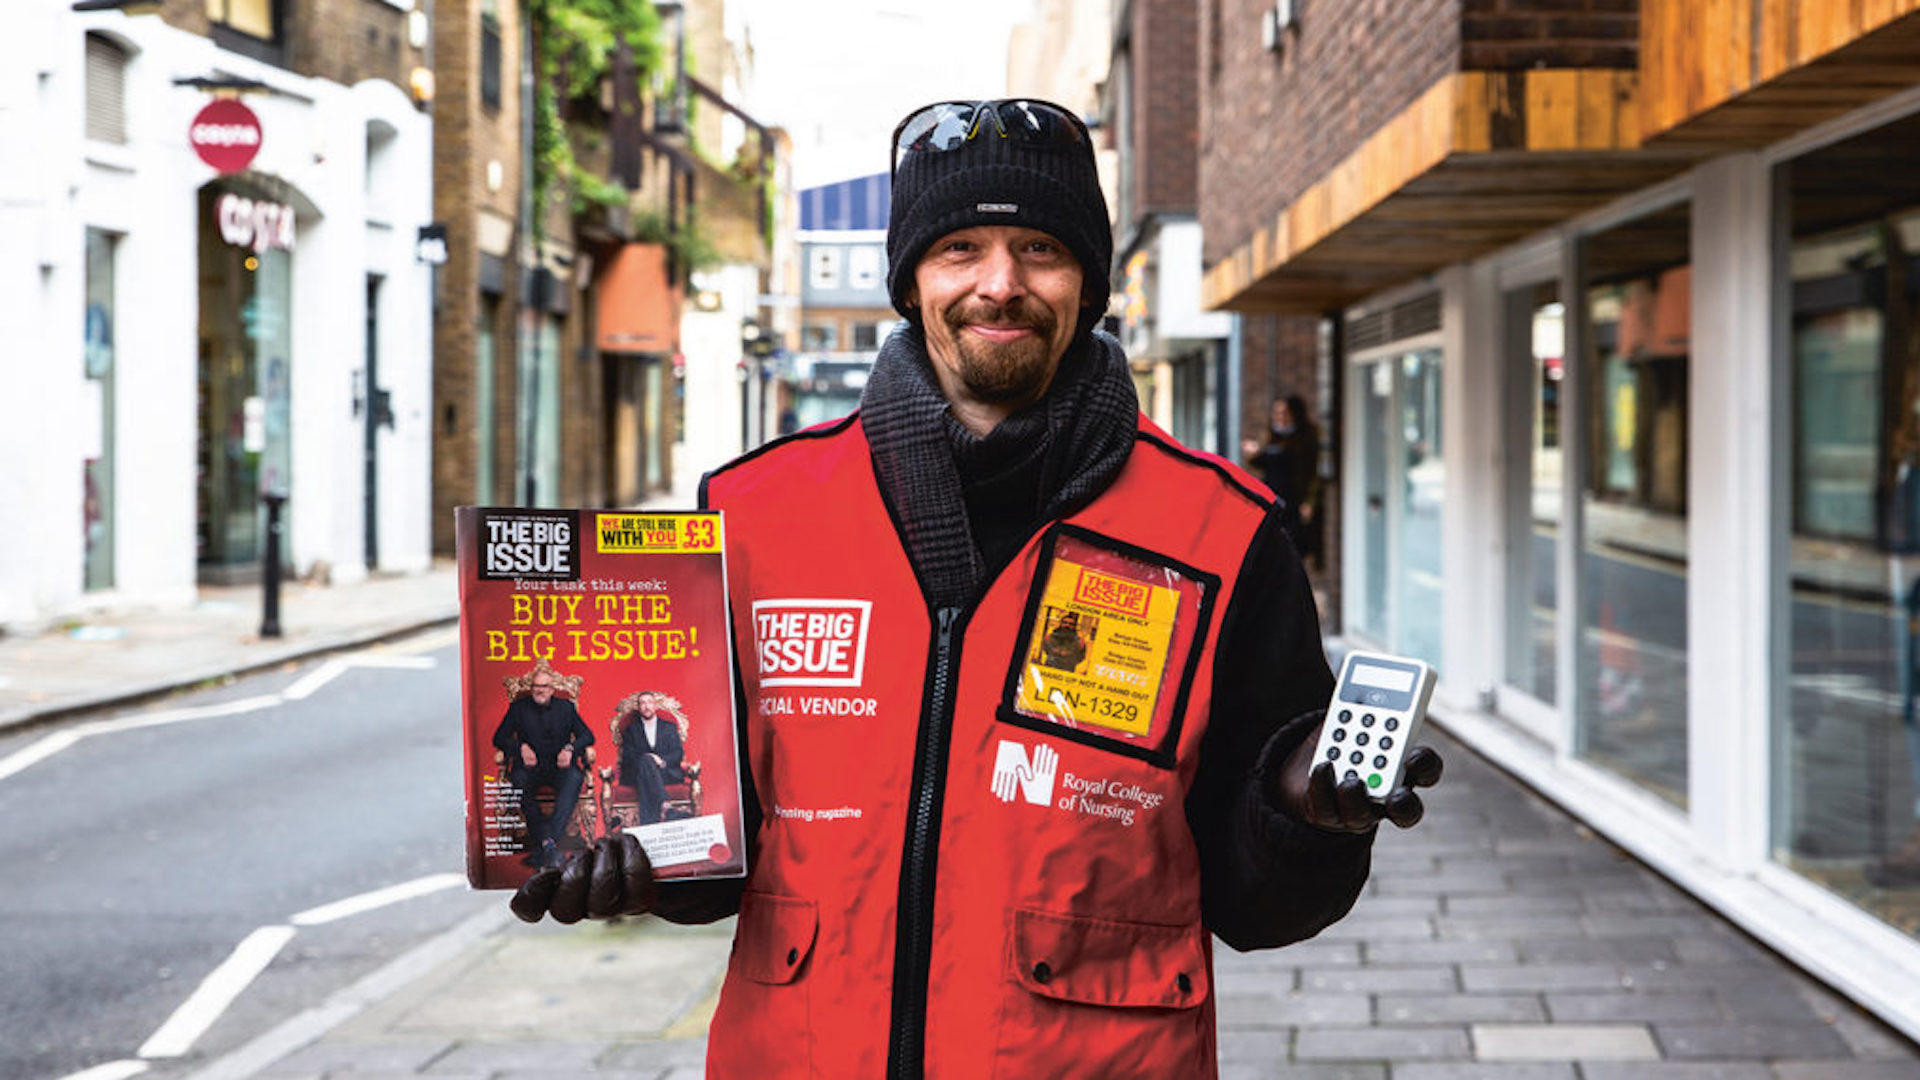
[(973, 856)]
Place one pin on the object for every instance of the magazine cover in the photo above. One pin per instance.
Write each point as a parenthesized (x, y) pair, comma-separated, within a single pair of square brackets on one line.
[(596, 682)]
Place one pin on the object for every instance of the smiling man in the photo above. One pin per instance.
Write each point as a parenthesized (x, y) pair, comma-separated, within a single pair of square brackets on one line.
[(1003, 866)]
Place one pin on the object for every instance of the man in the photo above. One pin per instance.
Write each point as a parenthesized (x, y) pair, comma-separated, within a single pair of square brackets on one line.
[(1030, 881), (540, 738), (650, 756), (1062, 647)]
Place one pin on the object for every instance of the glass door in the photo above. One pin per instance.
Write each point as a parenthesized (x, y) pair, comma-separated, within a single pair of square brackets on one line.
[(1394, 549), (1535, 364)]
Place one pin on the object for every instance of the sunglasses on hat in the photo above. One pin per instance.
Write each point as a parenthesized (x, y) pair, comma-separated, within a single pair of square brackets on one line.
[(949, 125)]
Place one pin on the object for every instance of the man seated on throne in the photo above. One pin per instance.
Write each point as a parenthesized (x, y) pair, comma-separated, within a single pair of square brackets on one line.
[(541, 739), (651, 754)]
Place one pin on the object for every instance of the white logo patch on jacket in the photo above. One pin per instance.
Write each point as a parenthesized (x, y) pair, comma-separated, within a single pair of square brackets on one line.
[(1032, 778), (811, 642)]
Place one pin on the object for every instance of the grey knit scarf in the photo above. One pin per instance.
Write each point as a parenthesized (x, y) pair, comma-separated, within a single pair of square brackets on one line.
[(1086, 425)]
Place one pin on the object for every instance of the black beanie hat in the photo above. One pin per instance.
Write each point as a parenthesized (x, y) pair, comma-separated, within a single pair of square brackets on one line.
[(992, 179)]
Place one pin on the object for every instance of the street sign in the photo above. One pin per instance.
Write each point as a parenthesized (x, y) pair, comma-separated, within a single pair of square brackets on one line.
[(226, 135), (430, 246)]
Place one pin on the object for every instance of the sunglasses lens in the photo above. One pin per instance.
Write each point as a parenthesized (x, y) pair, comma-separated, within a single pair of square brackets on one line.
[(1038, 123), (936, 128), (948, 126)]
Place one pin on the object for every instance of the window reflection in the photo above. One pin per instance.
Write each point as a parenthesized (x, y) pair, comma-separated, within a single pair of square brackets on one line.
[(1848, 802), (1633, 568)]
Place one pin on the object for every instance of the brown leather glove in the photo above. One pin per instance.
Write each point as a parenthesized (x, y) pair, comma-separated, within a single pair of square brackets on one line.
[(612, 878)]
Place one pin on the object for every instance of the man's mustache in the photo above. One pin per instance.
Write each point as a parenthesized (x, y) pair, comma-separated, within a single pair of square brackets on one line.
[(1007, 316)]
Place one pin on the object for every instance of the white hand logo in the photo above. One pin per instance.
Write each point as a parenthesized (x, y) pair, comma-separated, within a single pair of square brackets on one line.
[(1032, 779)]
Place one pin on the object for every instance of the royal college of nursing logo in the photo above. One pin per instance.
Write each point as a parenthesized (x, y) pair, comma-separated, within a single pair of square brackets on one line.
[(811, 642), (1032, 778)]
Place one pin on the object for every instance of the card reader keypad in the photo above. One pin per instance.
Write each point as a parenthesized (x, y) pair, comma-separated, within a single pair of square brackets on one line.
[(1364, 743)]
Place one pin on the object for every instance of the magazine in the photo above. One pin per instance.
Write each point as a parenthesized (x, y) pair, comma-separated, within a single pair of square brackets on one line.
[(596, 690)]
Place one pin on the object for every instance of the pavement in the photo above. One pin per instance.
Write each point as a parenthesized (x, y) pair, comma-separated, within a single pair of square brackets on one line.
[(1499, 940)]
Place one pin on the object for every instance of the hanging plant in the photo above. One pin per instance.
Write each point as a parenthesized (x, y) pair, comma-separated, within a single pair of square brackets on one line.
[(575, 43)]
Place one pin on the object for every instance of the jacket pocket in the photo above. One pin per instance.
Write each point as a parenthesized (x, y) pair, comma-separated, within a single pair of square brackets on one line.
[(1087, 997), (763, 1026)]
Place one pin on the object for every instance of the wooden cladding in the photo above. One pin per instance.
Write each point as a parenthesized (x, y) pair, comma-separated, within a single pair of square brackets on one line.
[(1481, 159), (1736, 73), (1545, 110)]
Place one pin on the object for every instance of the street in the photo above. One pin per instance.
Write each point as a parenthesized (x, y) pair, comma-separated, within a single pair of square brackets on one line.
[(147, 845)]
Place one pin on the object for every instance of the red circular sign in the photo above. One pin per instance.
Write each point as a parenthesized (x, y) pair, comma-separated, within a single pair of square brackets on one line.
[(226, 135)]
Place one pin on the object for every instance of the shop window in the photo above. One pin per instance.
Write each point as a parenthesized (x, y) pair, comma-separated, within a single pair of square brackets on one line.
[(254, 18), (245, 376), (863, 268), (97, 470), (823, 268), (819, 337), (1847, 740), (1392, 560), (106, 90), (1632, 663), (1536, 341)]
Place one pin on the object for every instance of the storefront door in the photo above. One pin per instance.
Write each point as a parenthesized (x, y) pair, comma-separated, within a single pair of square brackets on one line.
[(1394, 550), (244, 378)]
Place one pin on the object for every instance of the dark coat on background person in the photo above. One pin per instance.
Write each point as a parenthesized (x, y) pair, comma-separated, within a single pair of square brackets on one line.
[(1289, 463)]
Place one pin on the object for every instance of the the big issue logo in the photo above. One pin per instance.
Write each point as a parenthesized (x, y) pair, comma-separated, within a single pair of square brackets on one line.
[(811, 642)]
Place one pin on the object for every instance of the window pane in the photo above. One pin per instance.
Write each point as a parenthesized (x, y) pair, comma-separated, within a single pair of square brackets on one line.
[(1425, 490), (1633, 695), (1848, 737), (1537, 341)]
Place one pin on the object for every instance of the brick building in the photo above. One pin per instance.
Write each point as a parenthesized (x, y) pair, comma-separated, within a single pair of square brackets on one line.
[(561, 376), (1620, 310), (217, 323)]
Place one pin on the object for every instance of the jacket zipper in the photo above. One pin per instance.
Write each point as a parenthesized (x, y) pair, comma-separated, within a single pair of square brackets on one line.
[(912, 957)]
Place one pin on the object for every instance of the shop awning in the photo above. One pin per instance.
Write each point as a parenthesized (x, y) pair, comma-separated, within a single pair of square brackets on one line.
[(1484, 159), (1480, 161)]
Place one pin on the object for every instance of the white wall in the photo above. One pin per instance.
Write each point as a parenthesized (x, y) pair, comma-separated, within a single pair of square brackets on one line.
[(710, 341), (146, 191)]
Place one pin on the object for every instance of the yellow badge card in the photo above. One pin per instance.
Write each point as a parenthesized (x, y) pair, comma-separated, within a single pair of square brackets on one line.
[(1099, 650), (623, 534)]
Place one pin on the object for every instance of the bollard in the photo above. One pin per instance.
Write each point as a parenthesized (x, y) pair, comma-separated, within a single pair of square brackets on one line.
[(270, 566)]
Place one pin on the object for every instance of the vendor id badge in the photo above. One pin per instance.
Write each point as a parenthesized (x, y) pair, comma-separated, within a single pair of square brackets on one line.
[(1109, 645)]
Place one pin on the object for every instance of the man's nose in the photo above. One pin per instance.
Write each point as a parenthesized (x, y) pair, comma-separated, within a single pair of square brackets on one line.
[(1001, 276)]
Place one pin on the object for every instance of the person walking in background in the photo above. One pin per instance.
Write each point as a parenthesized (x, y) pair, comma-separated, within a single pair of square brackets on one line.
[(1289, 462)]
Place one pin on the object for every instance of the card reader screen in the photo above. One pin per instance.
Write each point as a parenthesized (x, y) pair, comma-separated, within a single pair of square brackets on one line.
[(1395, 679)]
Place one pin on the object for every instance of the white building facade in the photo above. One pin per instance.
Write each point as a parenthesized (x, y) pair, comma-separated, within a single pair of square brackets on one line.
[(1645, 487), (187, 341)]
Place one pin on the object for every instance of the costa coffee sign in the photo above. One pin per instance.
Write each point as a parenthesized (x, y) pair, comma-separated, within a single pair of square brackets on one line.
[(226, 135), (254, 223)]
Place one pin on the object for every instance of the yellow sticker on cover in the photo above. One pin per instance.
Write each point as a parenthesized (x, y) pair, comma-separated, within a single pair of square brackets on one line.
[(1098, 651), (665, 534)]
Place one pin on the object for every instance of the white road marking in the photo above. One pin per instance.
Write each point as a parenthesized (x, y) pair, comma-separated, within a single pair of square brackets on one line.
[(300, 690), (313, 680), (403, 663), (37, 752), (112, 1070), (162, 717), (368, 901), (196, 1014)]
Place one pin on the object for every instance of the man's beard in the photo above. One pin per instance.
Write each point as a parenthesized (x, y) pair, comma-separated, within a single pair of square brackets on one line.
[(1017, 371)]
